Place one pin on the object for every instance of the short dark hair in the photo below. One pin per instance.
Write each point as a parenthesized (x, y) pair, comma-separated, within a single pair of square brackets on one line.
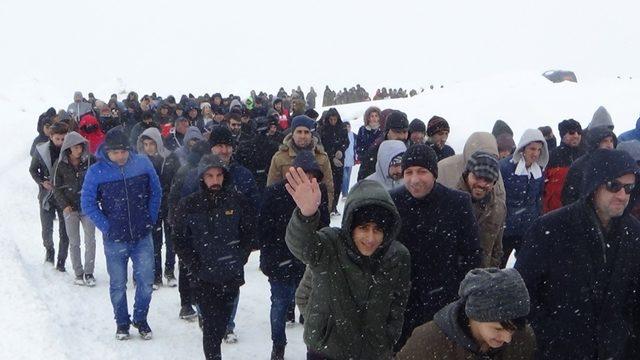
[(232, 116), (515, 324), (59, 128)]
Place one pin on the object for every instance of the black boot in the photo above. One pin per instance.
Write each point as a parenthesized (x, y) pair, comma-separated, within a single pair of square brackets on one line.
[(60, 266), (277, 352), (50, 255)]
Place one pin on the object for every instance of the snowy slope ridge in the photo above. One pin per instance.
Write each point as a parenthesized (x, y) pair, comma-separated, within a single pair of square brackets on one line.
[(45, 316)]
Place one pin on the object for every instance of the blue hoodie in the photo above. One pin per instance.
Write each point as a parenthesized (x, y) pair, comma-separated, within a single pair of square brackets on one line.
[(124, 201)]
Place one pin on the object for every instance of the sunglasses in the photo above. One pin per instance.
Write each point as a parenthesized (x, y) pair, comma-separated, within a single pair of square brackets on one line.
[(614, 186)]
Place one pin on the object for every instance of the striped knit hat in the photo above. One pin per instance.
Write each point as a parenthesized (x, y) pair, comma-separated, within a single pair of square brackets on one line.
[(484, 165)]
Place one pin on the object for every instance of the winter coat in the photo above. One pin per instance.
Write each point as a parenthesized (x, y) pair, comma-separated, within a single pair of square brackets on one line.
[(256, 156), (388, 150), (583, 279), (283, 159), (90, 129), (443, 153), (129, 197), (213, 235), (276, 261), (451, 168), (560, 160), (490, 213), (245, 184), (165, 163), (356, 306), (441, 232), (68, 179), (193, 133), (524, 192), (573, 180), (77, 109), (175, 140), (41, 170), (447, 338), (185, 182), (42, 138), (633, 134), (334, 137), (138, 129), (365, 138)]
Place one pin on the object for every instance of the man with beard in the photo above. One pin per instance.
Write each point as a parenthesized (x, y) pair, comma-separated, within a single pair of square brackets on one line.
[(478, 180), (213, 236)]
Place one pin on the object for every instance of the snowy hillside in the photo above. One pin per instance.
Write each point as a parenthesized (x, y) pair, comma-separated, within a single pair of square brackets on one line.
[(48, 317)]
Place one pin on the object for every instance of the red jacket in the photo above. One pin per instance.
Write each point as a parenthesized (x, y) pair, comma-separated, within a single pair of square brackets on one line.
[(560, 160), (89, 128)]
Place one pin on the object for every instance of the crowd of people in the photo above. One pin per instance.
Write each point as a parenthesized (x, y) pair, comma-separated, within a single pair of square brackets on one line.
[(418, 267)]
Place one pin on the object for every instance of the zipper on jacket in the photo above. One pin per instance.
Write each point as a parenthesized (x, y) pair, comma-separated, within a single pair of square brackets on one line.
[(126, 194)]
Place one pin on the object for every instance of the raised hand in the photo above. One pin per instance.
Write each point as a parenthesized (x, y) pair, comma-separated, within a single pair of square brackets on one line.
[(305, 192)]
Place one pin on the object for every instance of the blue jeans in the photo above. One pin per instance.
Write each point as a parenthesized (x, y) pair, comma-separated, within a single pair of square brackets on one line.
[(282, 294), (141, 254), (345, 181)]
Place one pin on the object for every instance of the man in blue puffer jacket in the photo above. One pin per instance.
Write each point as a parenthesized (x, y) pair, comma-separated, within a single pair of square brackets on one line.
[(121, 194)]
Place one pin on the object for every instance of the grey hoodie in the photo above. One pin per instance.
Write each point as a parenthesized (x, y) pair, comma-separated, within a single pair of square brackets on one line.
[(192, 133), (154, 134), (601, 118), (529, 136), (387, 151), (71, 139)]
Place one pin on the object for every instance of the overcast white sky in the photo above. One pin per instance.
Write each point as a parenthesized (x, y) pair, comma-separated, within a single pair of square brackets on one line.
[(233, 46)]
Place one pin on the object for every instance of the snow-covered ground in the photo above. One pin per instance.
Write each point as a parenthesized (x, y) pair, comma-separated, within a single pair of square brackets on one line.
[(45, 316)]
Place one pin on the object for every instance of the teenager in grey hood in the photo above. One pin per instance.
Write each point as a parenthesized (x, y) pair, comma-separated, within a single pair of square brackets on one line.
[(389, 164), (192, 136), (69, 171)]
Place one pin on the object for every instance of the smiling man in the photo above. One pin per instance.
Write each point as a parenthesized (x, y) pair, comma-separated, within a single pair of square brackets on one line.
[(580, 264), (360, 272)]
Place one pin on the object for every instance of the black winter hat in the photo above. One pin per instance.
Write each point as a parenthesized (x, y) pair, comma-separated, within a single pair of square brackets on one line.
[(116, 139), (437, 124), (209, 161), (220, 135), (494, 295), (606, 165), (397, 120), (373, 213), (484, 165), (501, 127), (566, 126), (306, 160), (417, 125), (421, 155)]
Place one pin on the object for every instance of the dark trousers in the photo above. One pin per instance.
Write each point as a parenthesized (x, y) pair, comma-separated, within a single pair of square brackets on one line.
[(46, 221), (184, 288), (312, 355), (510, 243), (282, 294), (215, 303), (338, 175), (170, 258)]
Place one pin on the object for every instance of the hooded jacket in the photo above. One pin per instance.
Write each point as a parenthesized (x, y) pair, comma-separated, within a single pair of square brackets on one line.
[(601, 118), (446, 338), (367, 135), (450, 169), (573, 181), (583, 278), (129, 197), (633, 134), (89, 128), (560, 161), (282, 160), (523, 192), (356, 306), (334, 137), (41, 170), (213, 232), (183, 152), (67, 178), (387, 151)]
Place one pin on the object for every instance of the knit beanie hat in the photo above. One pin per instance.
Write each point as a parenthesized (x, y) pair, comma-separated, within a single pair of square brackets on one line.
[(306, 160), (303, 120), (397, 120), (505, 142), (375, 214), (220, 135), (494, 295), (566, 126), (437, 124), (116, 139), (501, 127), (417, 125), (484, 165), (421, 155)]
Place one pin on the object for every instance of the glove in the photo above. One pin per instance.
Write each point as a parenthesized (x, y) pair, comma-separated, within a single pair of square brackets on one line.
[(338, 155), (337, 162)]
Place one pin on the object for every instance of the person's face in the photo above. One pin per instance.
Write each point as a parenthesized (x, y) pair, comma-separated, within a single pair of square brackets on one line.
[(272, 129), (367, 238), (218, 118), (244, 119), (181, 127), (419, 181), (278, 106), (217, 100), (119, 157), (150, 147), (46, 129), (164, 111), (179, 112), (224, 152), (440, 138), (193, 113), (417, 137), (503, 154), (572, 138), (394, 134), (207, 111), (606, 143), (333, 120), (234, 126), (612, 204), (374, 119), (395, 172), (531, 153), (57, 139), (302, 137), (213, 178), (479, 186), (348, 127), (76, 151), (492, 334)]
